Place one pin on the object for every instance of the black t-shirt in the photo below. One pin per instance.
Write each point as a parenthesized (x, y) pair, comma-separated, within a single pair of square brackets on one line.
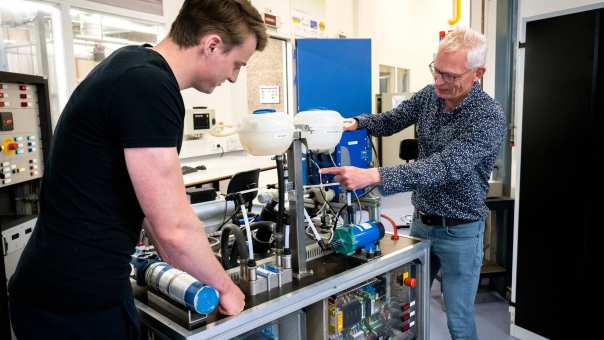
[(90, 219)]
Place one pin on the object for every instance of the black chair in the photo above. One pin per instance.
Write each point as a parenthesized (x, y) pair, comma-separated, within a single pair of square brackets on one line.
[(243, 181), (408, 150)]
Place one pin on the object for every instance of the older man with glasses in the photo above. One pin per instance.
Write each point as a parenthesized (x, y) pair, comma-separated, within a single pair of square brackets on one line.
[(460, 131)]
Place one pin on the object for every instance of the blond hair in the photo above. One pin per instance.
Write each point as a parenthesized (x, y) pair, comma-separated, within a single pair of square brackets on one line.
[(466, 39)]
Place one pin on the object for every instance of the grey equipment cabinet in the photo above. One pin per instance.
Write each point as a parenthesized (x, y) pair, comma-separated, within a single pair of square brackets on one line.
[(301, 310)]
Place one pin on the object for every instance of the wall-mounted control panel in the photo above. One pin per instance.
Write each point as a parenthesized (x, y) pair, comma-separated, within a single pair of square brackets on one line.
[(20, 134)]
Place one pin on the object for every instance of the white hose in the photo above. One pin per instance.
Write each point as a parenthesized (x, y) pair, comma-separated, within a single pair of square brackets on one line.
[(248, 231), (312, 226), (286, 242)]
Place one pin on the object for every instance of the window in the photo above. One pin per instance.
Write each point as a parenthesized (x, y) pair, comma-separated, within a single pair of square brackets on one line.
[(97, 35), (387, 79), (31, 43), (402, 80)]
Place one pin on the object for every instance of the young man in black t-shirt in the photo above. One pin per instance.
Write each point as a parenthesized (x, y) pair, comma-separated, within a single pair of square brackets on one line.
[(114, 166)]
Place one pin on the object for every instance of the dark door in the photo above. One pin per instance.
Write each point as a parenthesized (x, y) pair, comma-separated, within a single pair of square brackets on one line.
[(562, 105)]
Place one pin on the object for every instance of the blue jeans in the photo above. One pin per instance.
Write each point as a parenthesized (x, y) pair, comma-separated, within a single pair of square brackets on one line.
[(457, 251)]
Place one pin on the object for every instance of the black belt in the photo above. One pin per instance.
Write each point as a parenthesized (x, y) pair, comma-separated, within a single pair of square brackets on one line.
[(436, 220)]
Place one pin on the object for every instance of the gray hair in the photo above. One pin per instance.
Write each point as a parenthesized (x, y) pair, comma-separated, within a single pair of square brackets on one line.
[(466, 39)]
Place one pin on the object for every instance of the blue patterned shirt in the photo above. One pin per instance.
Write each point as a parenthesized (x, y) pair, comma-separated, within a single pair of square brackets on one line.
[(457, 151)]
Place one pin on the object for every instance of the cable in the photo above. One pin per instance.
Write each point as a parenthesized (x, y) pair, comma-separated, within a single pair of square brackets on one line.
[(332, 161), (226, 205), (338, 215), (374, 150), (320, 181), (368, 191), (325, 185), (248, 232), (394, 226), (230, 218), (316, 235), (360, 207)]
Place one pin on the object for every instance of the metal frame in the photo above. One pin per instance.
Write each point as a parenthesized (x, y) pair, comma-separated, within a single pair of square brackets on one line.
[(296, 300), (504, 79), (296, 203)]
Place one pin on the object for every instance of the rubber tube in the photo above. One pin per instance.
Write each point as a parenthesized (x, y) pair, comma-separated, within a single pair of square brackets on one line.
[(225, 252)]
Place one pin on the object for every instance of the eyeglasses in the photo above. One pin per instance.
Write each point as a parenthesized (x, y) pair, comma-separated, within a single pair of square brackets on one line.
[(445, 76)]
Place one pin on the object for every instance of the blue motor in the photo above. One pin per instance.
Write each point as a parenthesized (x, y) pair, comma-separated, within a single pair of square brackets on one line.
[(349, 238)]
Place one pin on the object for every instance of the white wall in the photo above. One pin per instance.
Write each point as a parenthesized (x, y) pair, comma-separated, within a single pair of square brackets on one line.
[(339, 16), (404, 33)]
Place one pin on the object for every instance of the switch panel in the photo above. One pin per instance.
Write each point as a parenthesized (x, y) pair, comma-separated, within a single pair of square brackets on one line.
[(20, 154)]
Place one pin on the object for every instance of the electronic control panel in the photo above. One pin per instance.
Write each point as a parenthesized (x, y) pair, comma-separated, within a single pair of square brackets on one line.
[(20, 134), (198, 121)]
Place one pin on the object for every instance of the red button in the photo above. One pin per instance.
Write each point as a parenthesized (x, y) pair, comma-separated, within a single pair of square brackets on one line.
[(13, 146), (23, 87), (1, 95), (410, 282), (2, 104), (23, 96), (24, 104)]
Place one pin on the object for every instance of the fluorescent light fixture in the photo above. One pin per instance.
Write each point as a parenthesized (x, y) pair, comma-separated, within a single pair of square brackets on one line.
[(127, 25), (113, 21)]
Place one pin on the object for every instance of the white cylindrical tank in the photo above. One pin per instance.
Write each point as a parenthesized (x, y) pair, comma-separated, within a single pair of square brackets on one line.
[(266, 134), (324, 129)]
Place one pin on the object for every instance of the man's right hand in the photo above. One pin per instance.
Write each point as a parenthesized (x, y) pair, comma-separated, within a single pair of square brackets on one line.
[(350, 124), (232, 300)]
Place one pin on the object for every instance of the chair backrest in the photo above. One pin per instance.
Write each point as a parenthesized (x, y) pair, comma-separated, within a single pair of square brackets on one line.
[(408, 150), (243, 181)]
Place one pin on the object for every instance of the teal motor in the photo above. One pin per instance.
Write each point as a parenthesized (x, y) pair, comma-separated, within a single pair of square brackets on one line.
[(348, 239)]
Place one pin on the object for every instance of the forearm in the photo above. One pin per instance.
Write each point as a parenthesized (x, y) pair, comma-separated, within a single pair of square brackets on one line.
[(407, 177), (390, 122), (382, 124), (150, 234)]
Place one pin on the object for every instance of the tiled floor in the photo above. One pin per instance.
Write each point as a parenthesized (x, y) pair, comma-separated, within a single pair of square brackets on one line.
[(492, 316)]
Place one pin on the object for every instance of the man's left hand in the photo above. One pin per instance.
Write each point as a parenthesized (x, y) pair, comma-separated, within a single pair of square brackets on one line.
[(353, 178)]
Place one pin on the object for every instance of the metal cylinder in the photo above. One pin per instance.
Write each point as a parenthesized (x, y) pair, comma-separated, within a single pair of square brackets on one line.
[(278, 259), (286, 261), (251, 273), (243, 271), (182, 287)]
